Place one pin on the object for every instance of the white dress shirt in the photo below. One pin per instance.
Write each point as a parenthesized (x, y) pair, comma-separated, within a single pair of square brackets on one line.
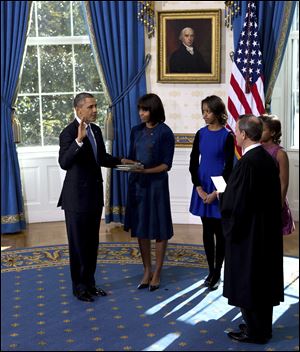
[(252, 146)]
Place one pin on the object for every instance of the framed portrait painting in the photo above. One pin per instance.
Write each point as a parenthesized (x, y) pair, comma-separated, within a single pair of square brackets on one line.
[(188, 47)]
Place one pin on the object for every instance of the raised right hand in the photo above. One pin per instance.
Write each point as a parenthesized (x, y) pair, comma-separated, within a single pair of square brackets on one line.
[(81, 131)]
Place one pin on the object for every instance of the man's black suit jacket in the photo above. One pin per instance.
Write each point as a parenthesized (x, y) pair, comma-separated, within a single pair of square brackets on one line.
[(83, 185)]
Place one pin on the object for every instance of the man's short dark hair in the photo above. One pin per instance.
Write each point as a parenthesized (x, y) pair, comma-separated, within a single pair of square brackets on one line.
[(81, 96), (252, 125)]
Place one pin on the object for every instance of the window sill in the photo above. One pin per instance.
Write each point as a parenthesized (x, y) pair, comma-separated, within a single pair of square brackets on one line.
[(38, 152)]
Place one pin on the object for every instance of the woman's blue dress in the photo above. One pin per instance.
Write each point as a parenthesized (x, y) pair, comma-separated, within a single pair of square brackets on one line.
[(212, 151), (148, 210)]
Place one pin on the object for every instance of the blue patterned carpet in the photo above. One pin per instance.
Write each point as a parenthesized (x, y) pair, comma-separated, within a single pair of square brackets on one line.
[(39, 312)]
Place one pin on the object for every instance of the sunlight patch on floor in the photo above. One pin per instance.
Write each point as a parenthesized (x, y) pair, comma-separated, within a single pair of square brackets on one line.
[(4, 248), (214, 306), (163, 343)]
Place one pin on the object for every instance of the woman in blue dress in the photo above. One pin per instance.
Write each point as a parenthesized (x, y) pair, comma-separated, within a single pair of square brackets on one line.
[(148, 210), (214, 144)]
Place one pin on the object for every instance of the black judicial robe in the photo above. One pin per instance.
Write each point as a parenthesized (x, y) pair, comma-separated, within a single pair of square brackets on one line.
[(251, 218)]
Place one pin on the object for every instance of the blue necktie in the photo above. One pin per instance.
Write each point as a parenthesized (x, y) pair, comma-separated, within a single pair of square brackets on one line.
[(92, 141)]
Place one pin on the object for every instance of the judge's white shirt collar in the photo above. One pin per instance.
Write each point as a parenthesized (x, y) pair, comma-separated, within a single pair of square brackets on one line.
[(190, 49), (252, 146)]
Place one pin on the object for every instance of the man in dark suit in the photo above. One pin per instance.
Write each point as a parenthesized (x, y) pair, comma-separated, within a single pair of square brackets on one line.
[(251, 218), (187, 59), (82, 153)]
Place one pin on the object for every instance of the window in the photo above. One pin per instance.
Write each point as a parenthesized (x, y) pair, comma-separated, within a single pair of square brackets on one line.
[(58, 64), (293, 89)]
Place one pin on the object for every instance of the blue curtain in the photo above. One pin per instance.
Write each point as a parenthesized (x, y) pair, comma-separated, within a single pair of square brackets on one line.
[(119, 39), (274, 22), (14, 21)]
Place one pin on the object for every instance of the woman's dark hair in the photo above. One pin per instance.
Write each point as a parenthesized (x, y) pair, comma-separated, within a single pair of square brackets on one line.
[(252, 125), (152, 103), (274, 125), (217, 107)]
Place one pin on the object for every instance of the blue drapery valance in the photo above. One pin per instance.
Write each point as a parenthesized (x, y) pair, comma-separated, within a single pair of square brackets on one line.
[(119, 41), (14, 22), (274, 22)]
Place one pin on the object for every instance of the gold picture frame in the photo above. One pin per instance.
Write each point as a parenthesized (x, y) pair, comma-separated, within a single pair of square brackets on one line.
[(172, 66)]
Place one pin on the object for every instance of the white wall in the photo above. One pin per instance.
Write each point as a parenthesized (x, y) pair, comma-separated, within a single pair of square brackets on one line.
[(41, 184), (42, 181), (181, 188)]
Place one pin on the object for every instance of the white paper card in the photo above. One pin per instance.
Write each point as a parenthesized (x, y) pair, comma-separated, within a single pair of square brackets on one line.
[(219, 183)]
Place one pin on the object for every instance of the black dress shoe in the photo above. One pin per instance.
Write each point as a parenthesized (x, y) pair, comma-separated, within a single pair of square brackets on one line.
[(243, 337), (84, 296), (97, 291), (243, 327)]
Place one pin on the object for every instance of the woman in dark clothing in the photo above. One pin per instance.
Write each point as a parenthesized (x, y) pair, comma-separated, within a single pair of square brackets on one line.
[(215, 144), (148, 210)]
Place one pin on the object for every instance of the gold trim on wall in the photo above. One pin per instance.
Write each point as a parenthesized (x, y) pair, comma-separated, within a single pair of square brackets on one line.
[(171, 22), (184, 140)]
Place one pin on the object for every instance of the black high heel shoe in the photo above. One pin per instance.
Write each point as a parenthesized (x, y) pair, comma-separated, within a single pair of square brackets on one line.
[(144, 285), (208, 280), (153, 287)]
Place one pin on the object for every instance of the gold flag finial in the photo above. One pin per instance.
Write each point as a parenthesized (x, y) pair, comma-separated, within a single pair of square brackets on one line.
[(232, 9)]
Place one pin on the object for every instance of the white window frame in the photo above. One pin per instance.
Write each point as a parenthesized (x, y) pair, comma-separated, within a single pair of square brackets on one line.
[(41, 41), (291, 63)]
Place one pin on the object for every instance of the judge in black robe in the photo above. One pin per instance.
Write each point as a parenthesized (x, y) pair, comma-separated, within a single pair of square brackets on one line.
[(251, 217)]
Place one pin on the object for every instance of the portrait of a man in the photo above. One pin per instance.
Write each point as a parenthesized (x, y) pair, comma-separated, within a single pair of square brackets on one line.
[(189, 46), (187, 57)]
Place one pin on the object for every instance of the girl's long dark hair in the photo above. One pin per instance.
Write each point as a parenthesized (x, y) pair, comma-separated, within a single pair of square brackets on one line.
[(217, 107)]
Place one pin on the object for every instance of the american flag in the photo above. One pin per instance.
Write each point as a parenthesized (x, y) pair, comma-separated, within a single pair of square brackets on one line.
[(246, 89)]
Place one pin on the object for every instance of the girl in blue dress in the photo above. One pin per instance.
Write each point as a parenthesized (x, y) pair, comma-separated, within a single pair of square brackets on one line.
[(148, 210), (214, 144)]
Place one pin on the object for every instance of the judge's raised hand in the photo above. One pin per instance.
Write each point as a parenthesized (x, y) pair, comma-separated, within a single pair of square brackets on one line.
[(81, 131)]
